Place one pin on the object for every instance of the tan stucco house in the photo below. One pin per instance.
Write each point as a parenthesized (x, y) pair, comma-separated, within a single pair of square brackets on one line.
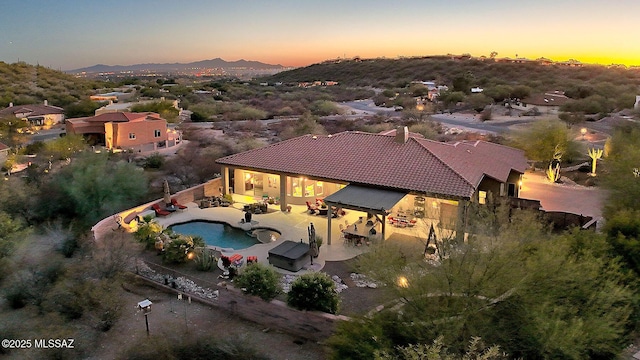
[(125, 130), (377, 173), (43, 115)]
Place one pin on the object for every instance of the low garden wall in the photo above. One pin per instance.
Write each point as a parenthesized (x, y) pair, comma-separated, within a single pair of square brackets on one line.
[(210, 188), (311, 325)]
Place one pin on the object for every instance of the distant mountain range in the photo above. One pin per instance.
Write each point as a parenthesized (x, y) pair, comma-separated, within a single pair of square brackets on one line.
[(204, 64)]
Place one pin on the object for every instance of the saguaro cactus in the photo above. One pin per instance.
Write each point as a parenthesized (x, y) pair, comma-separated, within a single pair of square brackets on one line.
[(595, 154)]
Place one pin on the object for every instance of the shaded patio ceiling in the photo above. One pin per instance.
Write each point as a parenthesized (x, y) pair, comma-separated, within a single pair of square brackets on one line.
[(367, 199)]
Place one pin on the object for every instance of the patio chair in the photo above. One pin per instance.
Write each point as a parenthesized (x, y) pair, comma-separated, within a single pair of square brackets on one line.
[(311, 208), (159, 212), (175, 203)]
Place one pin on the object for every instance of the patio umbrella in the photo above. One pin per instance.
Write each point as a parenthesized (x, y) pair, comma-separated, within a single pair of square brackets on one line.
[(313, 245), (167, 194)]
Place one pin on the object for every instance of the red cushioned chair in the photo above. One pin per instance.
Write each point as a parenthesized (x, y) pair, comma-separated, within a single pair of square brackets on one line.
[(175, 203), (159, 212)]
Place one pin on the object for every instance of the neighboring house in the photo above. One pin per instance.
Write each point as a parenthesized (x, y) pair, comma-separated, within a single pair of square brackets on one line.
[(4, 153), (125, 130), (111, 96), (637, 104), (378, 173), (547, 103), (36, 114)]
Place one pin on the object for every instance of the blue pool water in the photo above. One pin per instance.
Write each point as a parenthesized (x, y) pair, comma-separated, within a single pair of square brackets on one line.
[(217, 234)]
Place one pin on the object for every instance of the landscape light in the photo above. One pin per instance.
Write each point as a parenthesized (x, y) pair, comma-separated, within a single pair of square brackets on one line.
[(403, 282)]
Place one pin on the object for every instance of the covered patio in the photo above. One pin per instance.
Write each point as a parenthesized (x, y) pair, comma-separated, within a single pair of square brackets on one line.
[(374, 202)]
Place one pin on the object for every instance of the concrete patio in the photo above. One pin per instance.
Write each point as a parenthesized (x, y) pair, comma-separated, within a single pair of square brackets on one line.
[(292, 226)]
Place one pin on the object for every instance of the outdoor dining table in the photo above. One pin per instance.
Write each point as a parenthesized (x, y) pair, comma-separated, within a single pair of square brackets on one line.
[(359, 231)]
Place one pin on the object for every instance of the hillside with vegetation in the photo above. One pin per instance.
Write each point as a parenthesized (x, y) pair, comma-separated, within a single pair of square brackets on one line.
[(21, 83), (608, 88), (399, 72)]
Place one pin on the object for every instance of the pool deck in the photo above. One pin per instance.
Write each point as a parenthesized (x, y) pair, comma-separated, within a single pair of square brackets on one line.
[(291, 225)]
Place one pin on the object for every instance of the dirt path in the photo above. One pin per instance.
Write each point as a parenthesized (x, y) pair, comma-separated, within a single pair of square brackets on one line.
[(172, 319)]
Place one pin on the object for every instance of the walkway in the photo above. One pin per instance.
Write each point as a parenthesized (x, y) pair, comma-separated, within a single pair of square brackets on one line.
[(575, 199)]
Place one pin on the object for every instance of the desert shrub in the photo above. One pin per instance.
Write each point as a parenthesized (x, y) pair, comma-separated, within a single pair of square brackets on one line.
[(314, 291), (205, 260), (260, 280), (190, 348), (34, 147), (178, 249), (147, 232), (30, 286), (69, 246), (153, 161)]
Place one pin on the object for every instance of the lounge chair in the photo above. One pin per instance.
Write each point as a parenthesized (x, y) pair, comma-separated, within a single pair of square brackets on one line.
[(159, 212), (175, 203)]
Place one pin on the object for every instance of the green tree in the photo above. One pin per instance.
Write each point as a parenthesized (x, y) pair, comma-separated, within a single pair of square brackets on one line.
[(451, 98), (12, 131), (64, 147), (438, 351), (314, 291), (533, 294), (92, 187), (260, 280), (11, 232), (82, 108), (165, 109), (543, 140), (622, 176), (478, 101)]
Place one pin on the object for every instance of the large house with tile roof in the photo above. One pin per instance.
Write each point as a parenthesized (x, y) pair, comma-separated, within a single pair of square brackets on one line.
[(377, 173), (36, 114), (124, 130)]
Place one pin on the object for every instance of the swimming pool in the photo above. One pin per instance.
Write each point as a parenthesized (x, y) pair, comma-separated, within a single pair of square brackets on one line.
[(222, 235)]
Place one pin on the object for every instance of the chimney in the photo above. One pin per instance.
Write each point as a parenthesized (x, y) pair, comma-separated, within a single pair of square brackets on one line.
[(402, 134), (46, 102), (10, 104)]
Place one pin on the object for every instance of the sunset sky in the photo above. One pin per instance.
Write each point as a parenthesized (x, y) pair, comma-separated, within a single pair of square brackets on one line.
[(67, 34)]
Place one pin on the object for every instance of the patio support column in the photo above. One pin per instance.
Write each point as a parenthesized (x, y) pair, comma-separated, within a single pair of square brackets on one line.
[(461, 221), (384, 227), (225, 180), (329, 216), (283, 192)]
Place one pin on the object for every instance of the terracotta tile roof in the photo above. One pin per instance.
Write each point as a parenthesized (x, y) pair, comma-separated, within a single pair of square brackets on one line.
[(117, 117), (474, 160), (378, 160), (32, 110), (3, 147)]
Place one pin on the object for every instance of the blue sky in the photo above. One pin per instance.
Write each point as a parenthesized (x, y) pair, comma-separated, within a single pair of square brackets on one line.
[(68, 34)]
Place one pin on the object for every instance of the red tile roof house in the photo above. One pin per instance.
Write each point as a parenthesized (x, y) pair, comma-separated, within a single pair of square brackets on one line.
[(36, 114), (124, 130), (377, 173), (547, 103)]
